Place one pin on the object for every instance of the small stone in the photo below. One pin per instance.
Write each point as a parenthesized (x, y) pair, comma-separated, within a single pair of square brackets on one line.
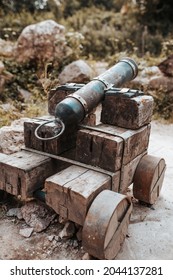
[(54, 244), (51, 238), (86, 256), (68, 230), (6, 107), (24, 94), (75, 244), (15, 212), (26, 232), (37, 215), (7, 48), (62, 220), (57, 238)]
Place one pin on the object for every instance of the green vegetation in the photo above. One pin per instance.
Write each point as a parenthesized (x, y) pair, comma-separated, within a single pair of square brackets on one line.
[(95, 30)]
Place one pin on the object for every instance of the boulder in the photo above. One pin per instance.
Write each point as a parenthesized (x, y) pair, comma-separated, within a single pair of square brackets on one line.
[(12, 137), (166, 66), (153, 80), (76, 72), (144, 77), (43, 42), (37, 216), (163, 83)]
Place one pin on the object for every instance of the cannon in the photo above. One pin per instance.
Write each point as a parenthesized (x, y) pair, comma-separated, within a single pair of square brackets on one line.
[(76, 106), (82, 168)]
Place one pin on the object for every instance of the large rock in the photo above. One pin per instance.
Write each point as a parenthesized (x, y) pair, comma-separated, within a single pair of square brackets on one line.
[(144, 77), (12, 137), (166, 66), (37, 216), (152, 79), (76, 72), (164, 84), (158, 83), (43, 42)]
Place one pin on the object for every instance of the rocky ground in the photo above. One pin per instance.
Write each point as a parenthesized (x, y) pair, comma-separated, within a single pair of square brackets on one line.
[(150, 233)]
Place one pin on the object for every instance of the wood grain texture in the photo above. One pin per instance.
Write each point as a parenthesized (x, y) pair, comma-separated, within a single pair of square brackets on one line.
[(111, 152), (71, 191), (64, 143), (127, 173), (24, 172), (130, 113)]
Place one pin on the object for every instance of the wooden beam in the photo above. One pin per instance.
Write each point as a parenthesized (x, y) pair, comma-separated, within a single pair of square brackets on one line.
[(71, 191)]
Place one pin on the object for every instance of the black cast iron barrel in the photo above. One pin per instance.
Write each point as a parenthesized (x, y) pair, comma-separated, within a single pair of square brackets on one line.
[(76, 106)]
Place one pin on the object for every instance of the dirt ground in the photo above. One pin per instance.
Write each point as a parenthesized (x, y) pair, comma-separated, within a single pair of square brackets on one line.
[(150, 234)]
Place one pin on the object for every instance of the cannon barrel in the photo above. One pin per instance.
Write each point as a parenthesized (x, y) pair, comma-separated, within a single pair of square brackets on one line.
[(76, 106)]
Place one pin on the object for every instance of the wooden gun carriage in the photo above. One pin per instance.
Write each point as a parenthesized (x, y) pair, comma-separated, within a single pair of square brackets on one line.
[(84, 174)]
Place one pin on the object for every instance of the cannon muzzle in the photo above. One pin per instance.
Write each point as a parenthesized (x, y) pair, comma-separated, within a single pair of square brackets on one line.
[(74, 108)]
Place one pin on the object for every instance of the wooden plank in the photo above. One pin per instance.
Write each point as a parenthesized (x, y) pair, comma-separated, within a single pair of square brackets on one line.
[(116, 181), (99, 148), (2, 156), (130, 113), (55, 96), (127, 173), (24, 172), (133, 146), (63, 143), (71, 191)]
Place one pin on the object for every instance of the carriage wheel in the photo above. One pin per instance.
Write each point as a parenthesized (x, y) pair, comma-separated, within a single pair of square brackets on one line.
[(106, 224), (148, 179)]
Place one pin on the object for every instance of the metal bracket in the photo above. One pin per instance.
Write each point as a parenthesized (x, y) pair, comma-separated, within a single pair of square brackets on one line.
[(106, 84), (132, 65), (80, 99)]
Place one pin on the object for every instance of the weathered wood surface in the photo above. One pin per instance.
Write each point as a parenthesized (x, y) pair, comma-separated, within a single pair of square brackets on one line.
[(71, 191), (130, 113), (63, 143), (23, 172), (110, 152), (127, 173), (148, 178), (56, 95), (115, 181), (59, 93), (99, 149), (106, 224)]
